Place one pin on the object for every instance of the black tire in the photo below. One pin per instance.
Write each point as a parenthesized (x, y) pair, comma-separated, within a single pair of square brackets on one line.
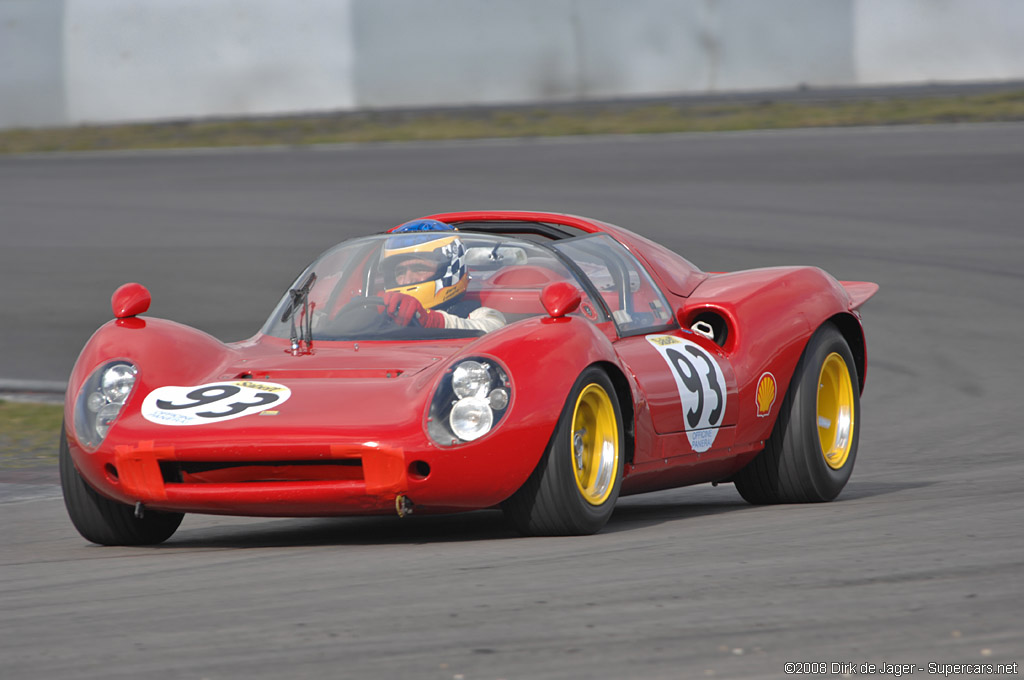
[(793, 468), (101, 520), (552, 502)]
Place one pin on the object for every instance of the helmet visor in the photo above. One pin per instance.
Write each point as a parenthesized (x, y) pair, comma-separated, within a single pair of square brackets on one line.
[(413, 268)]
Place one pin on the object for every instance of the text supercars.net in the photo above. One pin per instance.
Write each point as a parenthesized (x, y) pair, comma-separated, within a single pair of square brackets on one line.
[(899, 669)]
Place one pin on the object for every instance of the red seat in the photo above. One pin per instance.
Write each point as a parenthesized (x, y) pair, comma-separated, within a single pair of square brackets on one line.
[(524, 276)]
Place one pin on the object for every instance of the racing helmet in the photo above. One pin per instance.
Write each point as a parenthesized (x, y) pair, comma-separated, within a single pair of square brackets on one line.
[(435, 244)]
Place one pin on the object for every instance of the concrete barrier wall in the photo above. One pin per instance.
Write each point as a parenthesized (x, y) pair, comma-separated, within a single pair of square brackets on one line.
[(411, 52), (132, 60), (96, 61), (911, 41), (32, 62)]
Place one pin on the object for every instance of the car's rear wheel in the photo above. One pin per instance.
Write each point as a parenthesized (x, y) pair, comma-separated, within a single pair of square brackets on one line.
[(810, 454), (101, 520), (574, 487)]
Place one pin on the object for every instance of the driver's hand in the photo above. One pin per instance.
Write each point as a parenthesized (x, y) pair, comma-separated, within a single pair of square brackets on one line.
[(405, 310)]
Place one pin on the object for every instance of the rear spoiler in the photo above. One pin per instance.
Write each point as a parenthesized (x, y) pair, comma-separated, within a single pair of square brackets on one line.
[(859, 291)]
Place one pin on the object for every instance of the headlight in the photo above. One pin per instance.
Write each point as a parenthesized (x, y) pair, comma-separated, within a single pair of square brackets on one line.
[(100, 400), (470, 401), (498, 399), (470, 379), (471, 418), (117, 381)]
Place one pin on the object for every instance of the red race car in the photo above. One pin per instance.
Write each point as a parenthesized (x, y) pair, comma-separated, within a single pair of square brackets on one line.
[(539, 362)]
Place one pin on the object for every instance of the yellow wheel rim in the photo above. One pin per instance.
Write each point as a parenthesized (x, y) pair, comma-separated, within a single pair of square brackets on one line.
[(835, 411), (594, 444)]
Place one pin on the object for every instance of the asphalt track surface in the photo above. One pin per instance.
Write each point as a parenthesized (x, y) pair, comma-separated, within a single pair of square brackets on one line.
[(921, 560)]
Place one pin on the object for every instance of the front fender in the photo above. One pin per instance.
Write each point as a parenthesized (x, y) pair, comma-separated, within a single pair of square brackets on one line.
[(543, 358), (163, 351)]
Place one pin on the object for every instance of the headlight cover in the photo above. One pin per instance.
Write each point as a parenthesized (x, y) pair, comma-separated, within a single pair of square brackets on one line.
[(100, 401), (470, 402)]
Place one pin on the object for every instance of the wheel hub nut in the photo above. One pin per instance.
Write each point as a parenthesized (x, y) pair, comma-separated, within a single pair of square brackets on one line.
[(577, 448)]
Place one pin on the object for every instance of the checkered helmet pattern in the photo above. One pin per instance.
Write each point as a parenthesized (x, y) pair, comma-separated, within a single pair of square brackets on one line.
[(456, 254)]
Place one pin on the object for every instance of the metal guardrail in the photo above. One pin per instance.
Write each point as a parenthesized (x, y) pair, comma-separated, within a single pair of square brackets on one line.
[(40, 386), (43, 391)]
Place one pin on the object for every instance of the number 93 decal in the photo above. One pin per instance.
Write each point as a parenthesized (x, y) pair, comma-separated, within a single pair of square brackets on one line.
[(702, 387), (211, 403)]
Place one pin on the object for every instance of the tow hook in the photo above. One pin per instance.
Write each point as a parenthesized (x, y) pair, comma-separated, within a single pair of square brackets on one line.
[(403, 505), (140, 510)]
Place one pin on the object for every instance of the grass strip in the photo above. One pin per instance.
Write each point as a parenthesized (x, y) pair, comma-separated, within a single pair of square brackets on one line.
[(29, 434), (477, 123)]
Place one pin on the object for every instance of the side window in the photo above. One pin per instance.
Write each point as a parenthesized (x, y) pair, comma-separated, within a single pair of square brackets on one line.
[(508, 275), (635, 303)]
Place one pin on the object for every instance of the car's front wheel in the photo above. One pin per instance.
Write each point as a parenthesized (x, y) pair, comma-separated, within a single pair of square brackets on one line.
[(810, 454), (101, 520), (574, 487)]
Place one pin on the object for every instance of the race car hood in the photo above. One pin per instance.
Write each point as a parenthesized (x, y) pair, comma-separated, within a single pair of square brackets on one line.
[(264, 399), (270, 359)]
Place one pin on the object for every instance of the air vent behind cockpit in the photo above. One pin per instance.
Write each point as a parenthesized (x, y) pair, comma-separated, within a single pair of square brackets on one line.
[(711, 325)]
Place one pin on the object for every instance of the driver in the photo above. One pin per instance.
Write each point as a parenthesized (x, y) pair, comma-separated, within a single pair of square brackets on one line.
[(426, 275)]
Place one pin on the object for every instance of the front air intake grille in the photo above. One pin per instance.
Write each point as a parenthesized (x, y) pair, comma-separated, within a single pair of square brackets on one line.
[(183, 472)]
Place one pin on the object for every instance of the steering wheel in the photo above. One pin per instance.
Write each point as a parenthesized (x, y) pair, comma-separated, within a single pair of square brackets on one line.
[(362, 315), (367, 318)]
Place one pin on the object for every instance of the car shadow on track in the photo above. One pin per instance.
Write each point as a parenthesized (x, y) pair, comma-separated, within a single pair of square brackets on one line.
[(857, 490), (481, 525), (633, 517), (631, 514), (688, 503), (463, 527)]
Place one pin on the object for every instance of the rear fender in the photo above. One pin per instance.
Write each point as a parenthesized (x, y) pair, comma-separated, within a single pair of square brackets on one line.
[(859, 291), (775, 311), (850, 326)]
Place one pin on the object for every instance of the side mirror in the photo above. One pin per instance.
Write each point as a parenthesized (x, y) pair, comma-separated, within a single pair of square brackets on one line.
[(560, 298), (130, 300)]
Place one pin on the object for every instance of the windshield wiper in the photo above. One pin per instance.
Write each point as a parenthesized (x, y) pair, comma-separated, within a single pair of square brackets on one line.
[(302, 328)]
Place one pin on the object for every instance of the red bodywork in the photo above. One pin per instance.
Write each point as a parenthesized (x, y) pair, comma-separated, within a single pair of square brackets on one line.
[(352, 437)]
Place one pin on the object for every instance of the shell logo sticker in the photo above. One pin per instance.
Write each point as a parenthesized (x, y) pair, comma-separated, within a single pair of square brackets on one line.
[(701, 385), (213, 402), (767, 390)]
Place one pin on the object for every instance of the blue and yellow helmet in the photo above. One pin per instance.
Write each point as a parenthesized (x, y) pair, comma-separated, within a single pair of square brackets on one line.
[(427, 241)]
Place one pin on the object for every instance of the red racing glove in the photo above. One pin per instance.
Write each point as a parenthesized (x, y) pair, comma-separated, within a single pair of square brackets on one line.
[(405, 310)]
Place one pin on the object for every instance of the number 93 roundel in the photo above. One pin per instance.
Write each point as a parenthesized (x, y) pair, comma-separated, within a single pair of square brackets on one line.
[(702, 387), (211, 403)]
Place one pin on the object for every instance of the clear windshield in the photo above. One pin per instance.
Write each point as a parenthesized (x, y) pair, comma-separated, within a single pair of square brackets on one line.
[(346, 285)]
